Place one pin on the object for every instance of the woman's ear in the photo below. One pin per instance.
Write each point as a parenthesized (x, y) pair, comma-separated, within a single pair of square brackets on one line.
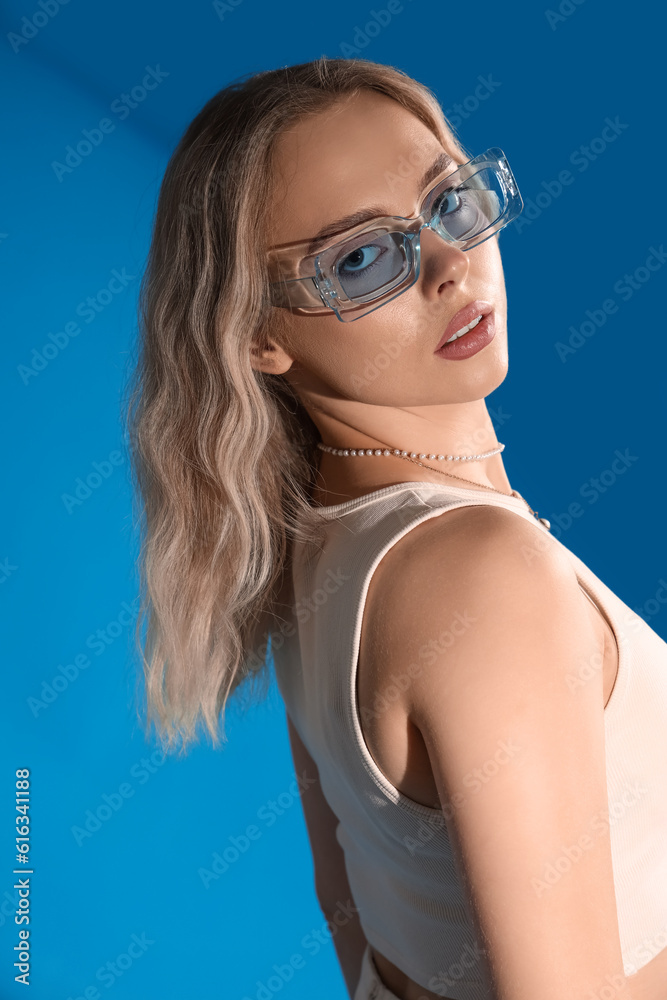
[(267, 355)]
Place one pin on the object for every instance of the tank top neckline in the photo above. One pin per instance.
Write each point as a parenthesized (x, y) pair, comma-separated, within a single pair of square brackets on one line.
[(333, 510)]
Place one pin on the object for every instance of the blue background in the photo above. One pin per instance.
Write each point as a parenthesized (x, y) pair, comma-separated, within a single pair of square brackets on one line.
[(66, 574)]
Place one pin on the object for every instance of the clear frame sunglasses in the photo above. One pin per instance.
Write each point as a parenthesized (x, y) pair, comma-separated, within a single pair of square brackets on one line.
[(370, 264)]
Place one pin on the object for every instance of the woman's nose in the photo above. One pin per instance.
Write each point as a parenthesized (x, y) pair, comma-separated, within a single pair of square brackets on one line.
[(441, 262)]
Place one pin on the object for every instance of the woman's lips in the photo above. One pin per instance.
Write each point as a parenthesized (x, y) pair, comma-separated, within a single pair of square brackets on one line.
[(463, 317), (472, 341)]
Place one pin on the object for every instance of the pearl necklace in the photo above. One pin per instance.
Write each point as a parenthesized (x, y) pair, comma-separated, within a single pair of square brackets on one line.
[(412, 456)]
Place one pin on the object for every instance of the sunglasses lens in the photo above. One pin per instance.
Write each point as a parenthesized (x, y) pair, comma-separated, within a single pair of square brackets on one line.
[(472, 207), (371, 264)]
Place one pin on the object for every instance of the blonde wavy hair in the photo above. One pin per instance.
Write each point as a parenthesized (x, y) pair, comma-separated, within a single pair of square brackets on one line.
[(223, 456)]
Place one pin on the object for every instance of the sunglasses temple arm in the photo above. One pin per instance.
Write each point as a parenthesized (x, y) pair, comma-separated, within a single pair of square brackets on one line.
[(295, 293)]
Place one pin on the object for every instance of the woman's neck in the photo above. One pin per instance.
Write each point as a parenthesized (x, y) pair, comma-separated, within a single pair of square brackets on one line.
[(342, 478)]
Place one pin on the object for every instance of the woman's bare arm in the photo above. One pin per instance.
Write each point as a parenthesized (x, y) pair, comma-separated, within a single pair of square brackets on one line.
[(533, 835)]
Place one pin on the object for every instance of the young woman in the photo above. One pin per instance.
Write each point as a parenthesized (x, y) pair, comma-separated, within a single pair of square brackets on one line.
[(323, 315)]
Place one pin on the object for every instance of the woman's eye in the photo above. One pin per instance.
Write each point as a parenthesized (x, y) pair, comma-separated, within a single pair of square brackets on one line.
[(462, 213), (450, 203), (360, 258)]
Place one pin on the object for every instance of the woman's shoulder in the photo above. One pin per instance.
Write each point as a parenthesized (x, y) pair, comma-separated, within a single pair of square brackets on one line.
[(483, 566), (465, 545)]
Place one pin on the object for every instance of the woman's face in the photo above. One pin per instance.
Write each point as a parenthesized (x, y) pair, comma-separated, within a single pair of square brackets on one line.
[(369, 150)]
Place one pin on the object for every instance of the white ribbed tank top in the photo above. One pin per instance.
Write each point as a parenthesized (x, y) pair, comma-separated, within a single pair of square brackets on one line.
[(411, 902)]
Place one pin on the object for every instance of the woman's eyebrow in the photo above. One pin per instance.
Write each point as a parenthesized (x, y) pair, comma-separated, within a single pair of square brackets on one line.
[(442, 161)]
